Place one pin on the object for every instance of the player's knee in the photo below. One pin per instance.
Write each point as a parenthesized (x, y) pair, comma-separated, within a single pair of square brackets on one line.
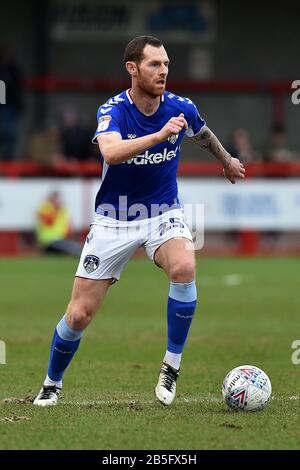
[(183, 271), (79, 316)]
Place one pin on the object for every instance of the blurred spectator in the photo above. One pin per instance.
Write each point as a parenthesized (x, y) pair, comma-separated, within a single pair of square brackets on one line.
[(278, 149), (53, 227), (94, 152), (45, 147), (75, 138), (240, 146), (10, 112)]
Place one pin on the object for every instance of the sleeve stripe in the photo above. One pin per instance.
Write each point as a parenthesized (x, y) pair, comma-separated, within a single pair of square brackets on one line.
[(94, 141)]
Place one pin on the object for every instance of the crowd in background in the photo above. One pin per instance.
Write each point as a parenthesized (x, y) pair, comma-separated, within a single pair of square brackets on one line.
[(68, 139), (11, 112), (277, 148)]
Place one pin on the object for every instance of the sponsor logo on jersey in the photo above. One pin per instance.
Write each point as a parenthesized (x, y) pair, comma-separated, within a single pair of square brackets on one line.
[(131, 136), (153, 158), (103, 123)]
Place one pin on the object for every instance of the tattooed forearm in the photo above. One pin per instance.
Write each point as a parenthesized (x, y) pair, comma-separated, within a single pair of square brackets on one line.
[(211, 143)]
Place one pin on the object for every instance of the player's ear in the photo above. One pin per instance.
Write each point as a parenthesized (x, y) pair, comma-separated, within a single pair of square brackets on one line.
[(131, 68)]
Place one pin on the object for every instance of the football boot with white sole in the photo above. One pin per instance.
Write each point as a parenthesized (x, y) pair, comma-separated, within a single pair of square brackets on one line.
[(165, 389), (48, 396)]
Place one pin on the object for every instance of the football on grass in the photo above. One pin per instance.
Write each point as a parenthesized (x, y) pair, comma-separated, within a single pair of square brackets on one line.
[(246, 388)]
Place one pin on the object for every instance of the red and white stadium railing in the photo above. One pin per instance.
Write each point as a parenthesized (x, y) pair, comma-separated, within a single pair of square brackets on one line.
[(188, 169), (52, 83), (248, 243)]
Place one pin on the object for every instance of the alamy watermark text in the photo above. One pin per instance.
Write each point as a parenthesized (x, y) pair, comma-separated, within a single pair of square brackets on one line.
[(2, 353), (296, 94), (2, 92), (296, 354)]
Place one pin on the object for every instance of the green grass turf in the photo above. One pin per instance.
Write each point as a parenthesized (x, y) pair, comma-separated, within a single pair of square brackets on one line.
[(108, 400)]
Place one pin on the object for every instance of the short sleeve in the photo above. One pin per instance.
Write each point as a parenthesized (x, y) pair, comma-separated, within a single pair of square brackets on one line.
[(195, 122), (109, 119)]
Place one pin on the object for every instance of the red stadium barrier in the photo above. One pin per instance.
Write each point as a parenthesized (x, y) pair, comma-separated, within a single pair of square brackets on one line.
[(9, 243), (51, 83), (188, 169), (248, 242)]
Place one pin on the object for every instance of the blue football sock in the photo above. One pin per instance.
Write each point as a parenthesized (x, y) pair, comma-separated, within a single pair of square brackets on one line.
[(181, 307), (65, 343)]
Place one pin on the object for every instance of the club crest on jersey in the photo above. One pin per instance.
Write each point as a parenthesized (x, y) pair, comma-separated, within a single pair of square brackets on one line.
[(91, 263), (103, 123), (172, 139)]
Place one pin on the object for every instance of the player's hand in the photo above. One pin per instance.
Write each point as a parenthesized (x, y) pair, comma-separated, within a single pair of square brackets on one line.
[(173, 126), (234, 170)]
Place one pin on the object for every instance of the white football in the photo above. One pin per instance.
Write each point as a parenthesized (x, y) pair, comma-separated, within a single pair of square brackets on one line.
[(246, 388)]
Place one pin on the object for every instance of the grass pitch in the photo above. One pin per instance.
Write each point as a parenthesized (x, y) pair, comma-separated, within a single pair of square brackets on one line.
[(248, 313)]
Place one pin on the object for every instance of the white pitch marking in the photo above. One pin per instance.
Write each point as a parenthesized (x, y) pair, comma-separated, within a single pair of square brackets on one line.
[(232, 280), (203, 399)]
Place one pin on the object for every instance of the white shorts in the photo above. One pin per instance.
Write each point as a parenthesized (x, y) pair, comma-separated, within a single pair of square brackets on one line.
[(111, 243)]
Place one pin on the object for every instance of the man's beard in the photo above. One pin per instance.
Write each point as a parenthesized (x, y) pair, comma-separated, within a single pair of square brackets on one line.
[(150, 90)]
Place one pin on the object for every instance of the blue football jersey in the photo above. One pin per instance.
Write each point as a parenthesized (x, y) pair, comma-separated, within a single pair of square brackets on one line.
[(148, 179)]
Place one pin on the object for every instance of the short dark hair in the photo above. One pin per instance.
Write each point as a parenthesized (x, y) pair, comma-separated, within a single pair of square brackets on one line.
[(134, 49)]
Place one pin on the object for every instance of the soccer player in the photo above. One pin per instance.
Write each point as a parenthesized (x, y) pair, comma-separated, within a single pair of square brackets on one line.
[(139, 134)]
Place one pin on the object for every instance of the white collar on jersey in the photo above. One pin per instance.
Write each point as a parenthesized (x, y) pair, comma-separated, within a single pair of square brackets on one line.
[(130, 100)]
